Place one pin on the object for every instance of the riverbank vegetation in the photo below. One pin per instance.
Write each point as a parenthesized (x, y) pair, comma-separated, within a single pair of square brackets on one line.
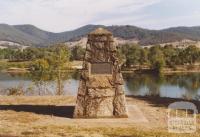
[(132, 57), (157, 57), (44, 65)]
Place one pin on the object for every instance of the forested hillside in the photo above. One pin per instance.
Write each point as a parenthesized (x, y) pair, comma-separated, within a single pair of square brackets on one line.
[(33, 36)]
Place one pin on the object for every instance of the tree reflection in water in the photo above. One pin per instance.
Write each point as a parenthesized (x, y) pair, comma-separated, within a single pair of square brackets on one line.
[(44, 83), (190, 83)]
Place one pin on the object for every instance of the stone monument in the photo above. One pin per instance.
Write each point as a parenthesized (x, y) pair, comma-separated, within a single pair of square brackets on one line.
[(100, 93)]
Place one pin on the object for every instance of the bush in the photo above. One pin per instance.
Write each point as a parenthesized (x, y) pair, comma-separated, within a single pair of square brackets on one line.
[(18, 91)]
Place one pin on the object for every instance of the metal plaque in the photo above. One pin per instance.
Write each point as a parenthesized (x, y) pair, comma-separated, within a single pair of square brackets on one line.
[(101, 68)]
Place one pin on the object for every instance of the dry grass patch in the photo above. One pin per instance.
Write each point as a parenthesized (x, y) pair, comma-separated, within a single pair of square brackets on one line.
[(37, 100), (78, 131), (20, 117), (31, 117)]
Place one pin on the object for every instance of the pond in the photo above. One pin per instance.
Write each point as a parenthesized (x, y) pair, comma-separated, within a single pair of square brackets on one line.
[(173, 86)]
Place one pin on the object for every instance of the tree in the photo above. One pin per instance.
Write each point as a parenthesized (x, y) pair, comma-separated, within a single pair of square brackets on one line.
[(192, 54), (125, 48), (143, 56), (77, 53), (40, 65), (156, 58), (133, 56), (53, 67), (40, 69), (171, 55), (60, 62)]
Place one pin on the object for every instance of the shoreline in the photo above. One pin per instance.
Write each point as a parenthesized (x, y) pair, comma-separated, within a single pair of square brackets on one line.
[(163, 72), (149, 71), (12, 67)]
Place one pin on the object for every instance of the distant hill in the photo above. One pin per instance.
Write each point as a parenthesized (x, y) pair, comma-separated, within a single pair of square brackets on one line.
[(192, 33), (10, 33), (32, 36)]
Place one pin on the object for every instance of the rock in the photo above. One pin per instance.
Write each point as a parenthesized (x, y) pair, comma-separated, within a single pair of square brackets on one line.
[(100, 82), (99, 107), (100, 92), (80, 107), (85, 75), (88, 56), (119, 90), (99, 46), (120, 106), (82, 88), (119, 79)]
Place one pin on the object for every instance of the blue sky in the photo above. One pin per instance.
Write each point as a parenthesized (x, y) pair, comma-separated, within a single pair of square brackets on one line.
[(62, 15)]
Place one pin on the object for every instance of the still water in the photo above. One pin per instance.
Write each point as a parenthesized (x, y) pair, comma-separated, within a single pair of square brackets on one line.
[(173, 86)]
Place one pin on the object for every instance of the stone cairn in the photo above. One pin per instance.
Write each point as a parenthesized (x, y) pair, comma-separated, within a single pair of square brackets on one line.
[(100, 93)]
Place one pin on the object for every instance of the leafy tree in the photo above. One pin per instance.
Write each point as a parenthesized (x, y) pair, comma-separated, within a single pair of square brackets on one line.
[(171, 55), (143, 56), (59, 63), (133, 56), (53, 67), (41, 65), (40, 72), (192, 54), (156, 58), (77, 53), (125, 48)]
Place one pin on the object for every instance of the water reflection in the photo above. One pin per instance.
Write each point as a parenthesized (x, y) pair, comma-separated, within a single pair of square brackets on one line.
[(175, 85), (38, 83)]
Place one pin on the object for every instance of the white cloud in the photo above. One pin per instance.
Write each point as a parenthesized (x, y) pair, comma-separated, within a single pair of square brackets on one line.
[(60, 15)]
